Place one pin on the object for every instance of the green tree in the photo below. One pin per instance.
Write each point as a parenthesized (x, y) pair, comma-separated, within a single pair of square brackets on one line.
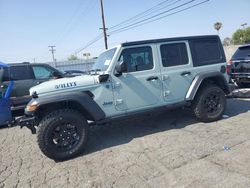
[(72, 58), (247, 35), (241, 36)]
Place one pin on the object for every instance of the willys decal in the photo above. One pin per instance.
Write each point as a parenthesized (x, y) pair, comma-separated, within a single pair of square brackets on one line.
[(65, 85)]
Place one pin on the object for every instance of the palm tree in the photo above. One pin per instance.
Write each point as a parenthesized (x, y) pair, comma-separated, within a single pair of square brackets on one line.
[(217, 26)]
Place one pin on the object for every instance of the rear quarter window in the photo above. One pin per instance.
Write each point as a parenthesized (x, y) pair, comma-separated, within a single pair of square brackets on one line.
[(20, 73), (207, 51)]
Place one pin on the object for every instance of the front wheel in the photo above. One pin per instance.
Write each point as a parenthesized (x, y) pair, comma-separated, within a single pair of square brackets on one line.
[(62, 134), (209, 103)]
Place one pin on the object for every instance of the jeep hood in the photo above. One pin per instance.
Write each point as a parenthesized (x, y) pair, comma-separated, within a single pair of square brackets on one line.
[(64, 85)]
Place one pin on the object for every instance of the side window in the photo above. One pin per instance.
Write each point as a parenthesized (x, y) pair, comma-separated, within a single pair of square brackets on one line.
[(206, 51), (41, 72), (20, 73), (174, 54), (138, 59)]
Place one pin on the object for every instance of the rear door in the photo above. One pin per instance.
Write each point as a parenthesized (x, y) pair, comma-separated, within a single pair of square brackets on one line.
[(22, 77), (176, 69), (23, 81)]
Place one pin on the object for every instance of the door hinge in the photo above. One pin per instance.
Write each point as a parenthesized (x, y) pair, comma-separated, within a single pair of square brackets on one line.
[(116, 84), (164, 77), (118, 101), (166, 93)]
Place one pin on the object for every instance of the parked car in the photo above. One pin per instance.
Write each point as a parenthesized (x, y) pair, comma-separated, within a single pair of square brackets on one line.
[(25, 76), (238, 67), (131, 78), (72, 73)]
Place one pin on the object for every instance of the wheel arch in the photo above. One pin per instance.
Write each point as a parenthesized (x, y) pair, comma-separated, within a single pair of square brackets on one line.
[(82, 102), (202, 79)]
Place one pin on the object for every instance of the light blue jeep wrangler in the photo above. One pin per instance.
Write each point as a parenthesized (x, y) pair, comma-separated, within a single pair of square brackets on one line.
[(132, 78)]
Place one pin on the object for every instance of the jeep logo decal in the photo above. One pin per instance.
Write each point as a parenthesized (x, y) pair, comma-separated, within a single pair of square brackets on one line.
[(65, 85)]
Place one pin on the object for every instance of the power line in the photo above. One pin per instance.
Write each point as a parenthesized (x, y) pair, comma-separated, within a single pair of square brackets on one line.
[(156, 15), (146, 20), (97, 38), (140, 24), (145, 13), (74, 20), (138, 15)]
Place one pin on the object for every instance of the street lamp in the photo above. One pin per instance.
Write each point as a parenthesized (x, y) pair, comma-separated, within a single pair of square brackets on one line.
[(244, 25)]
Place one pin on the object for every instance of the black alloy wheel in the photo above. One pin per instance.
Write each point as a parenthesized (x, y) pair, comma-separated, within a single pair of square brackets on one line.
[(62, 134), (209, 103)]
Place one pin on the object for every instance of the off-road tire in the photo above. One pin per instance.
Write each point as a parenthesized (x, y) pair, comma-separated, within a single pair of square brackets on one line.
[(209, 95), (55, 120)]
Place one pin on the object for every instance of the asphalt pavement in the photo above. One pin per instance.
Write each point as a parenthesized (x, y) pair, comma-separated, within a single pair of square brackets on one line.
[(167, 149)]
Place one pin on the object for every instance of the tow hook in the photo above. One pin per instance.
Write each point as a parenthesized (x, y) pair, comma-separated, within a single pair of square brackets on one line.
[(29, 122)]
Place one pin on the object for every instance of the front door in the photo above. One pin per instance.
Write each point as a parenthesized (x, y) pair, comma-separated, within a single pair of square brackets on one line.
[(42, 73), (140, 87)]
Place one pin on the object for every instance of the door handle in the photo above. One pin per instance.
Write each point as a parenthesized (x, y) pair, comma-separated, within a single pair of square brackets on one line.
[(185, 73), (152, 78)]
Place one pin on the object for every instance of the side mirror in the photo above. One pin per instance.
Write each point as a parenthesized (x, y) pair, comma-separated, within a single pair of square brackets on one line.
[(56, 75), (121, 67)]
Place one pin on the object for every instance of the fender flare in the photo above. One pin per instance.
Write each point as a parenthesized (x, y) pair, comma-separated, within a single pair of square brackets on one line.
[(197, 81), (82, 98)]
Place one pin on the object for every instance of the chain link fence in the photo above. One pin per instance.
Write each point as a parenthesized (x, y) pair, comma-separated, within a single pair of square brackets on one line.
[(81, 65)]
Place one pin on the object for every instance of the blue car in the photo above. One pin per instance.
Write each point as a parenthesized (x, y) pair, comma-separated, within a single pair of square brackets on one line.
[(5, 109)]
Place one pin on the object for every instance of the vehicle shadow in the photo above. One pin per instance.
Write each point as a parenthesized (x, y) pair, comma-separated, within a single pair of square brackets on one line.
[(3, 126), (119, 133)]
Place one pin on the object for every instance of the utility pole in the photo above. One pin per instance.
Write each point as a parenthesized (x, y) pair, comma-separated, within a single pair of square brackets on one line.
[(52, 52), (104, 27)]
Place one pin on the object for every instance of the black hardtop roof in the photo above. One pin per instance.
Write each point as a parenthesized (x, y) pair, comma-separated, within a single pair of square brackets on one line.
[(168, 40)]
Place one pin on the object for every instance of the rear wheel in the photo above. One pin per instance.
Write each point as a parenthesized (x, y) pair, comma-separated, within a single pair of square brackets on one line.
[(62, 134), (209, 103)]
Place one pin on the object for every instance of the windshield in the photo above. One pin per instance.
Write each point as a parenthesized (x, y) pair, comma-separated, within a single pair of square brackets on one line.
[(103, 61)]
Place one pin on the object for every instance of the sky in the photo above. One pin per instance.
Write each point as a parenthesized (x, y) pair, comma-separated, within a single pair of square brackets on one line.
[(28, 27)]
